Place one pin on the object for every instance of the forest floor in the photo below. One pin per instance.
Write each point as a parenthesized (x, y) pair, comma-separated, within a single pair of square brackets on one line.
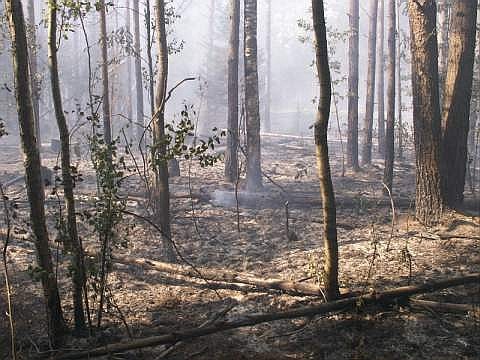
[(373, 256)]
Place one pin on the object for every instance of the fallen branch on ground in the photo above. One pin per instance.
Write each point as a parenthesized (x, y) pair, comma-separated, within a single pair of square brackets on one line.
[(445, 307), (385, 297)]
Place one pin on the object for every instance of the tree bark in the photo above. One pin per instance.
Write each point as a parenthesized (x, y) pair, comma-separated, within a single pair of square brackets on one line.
[(443, 9), (353, 60), (138, 76), (33, 178), (456, 99), (231, 157), (321, 146), (34, 82), (368, 121), (381, 77), (131, 132), (426, 110), (391, 72), (107, 130), (254, 171), (162, 191), (399, 86), (73, 242), (268, 85), (148, 22)]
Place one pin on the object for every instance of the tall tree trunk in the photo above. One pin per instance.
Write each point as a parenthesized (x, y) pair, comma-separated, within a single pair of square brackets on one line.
[(138, 75), (162, 191), (231, 158), (381, 77), (368, 121), (34, 83), (353, 60), (456, 99), (443, 34), (151, 83), (73, 243), (426, 110), (254, 172), (391, 70), (268, 85), (399, 86), (321, 145), (33, 177), (475, 107), (129, 78), (107, 130)]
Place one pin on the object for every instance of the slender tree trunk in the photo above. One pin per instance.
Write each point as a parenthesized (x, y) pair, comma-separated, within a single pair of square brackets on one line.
[(426, 110), (33, 177), (129, 78), (321, 145), (443, 34), (34, 83), (268, 95), (399, 87), (254, 172), (107, 130), (391, 70), (151, 84), (138, 75), (162, 191), (73, 243), (368, 121), (456, 99), (353, 60), (475, 107), (381, 77), (231, 158)]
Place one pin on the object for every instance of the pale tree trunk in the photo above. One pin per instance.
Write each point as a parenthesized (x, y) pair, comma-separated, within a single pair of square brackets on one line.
[(268, 85), (231, 157), (73, 243), (138, 76), (162, 191), (353, 60), (254, 172), (391, 70), (381, 77), (368, 120), (456, 99), (34, 83), (33, 177), (148, 22), (426, 110), (129, 78), (321, 144), (399, 87), (107, 130), (443, 22)]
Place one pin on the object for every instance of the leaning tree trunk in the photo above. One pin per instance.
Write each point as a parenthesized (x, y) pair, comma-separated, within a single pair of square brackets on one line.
[(391, 70), (443, 23), (138, 76), (231, 158), (426, 110), (381, 77), (34, 83), (162, 191), (107, 130), (73, 242), (353, 60), (254, 172), (456, 99), (33, 177), (321, 145), (368, 121)]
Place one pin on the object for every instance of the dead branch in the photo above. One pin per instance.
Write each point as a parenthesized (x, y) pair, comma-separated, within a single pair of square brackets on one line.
[(444, 307), (386, 297)]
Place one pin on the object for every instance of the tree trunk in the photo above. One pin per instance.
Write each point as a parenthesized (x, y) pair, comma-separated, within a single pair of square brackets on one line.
[(208, 119), (426, 110), (162, 191), (72, 243), (368, 121), (231, 157), (443, 34), (131, 133), (391, 70), (381, 77), (268, 85), (399, 86), (33, 177), (148, 22), (456, 99), (321, 145), (254, 172), (353, 60), (475, 104), (34, 83), (107, 130), (138, 76)]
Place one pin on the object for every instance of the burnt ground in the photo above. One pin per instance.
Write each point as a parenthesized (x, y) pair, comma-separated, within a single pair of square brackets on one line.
[(373, 256)]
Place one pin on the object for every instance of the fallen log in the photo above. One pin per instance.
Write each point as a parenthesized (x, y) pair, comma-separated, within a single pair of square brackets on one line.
[(385, 297), (444, 307)]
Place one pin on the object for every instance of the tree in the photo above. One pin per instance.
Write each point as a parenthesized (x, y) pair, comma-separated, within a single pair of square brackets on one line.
[(254, 172), (161, 191), (353, 59), (268, 85), (381, 77), (129, 76), (321, 146), (456, 99), (107, 130), (72, 242), (33, 177), (368, 121), (399, 85), (391, 72), (443, 22), (138, 74), (231, 158), (34, 83), (426, 110)]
